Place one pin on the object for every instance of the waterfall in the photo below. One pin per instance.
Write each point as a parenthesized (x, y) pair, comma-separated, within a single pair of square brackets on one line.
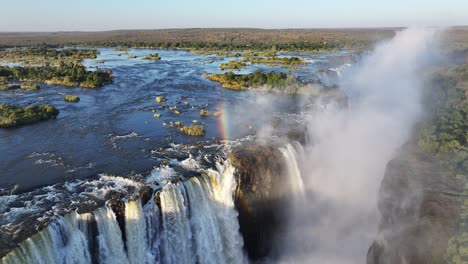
[(204, 222), (176, 229), (193, 221), (111, 246), (290, 155), (135, 227), (60, 242), (151, 212)]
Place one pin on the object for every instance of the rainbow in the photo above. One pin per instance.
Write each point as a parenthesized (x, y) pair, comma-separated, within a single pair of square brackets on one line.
[(223, 121)]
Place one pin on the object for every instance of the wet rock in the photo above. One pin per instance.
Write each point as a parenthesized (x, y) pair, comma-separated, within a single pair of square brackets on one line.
[(157, 115), (420, 207), (204, 113), (217, 114), (118, 206), (260, 197), (145, 194), (160, 99)]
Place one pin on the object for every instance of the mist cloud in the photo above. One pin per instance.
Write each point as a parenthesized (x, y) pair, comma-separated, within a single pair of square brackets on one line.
[(345, 162)]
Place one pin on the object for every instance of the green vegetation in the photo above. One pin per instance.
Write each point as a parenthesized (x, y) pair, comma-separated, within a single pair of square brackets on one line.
[(121, 48), (211, 40), (47, 52), (68, 74), (26, 86), (445, 133), (44, 55), (151, 56), (457, 250), (232, 65), (7, 87), (72, 98), (272, 79), (292, 61), (30, 86), (11, 116)]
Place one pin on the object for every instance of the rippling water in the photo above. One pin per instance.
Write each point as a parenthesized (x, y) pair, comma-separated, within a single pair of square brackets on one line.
[(112, 129)]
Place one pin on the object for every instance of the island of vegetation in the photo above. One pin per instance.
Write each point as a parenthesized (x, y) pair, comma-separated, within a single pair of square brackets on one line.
[(68, 74), (232, 65), (230, 80), (71, 98), (43, 54), (288, 61), (25, 86), (151, 56), (11, 116)]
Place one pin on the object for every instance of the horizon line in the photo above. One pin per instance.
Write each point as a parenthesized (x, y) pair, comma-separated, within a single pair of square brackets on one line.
[(227, 28)]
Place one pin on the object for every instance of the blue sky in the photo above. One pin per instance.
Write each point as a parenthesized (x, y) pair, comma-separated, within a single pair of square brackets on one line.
[(93, 15)]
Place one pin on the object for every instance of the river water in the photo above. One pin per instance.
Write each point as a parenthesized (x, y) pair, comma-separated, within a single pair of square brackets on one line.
[(110, 143)]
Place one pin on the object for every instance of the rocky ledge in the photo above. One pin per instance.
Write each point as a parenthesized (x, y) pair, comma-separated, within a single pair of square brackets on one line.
[(420, 203)]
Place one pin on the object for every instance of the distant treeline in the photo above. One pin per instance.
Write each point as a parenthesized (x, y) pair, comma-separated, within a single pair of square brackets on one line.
[(209, 39), (50, 51)]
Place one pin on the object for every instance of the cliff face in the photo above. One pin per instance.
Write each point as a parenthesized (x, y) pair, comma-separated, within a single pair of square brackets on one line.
[(261, 199), (419, 202)]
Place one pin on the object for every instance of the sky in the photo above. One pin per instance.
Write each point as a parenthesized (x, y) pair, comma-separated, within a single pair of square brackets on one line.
[(97, 15)]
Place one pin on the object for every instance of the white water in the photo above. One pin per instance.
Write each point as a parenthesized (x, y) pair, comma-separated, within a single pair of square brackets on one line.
[(111, 246), (135, 229), (291, 159), (195, 223), (176, 229)]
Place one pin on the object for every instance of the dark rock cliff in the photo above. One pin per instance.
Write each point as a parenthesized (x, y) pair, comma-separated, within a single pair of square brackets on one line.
[(420, 207), (260, 198)]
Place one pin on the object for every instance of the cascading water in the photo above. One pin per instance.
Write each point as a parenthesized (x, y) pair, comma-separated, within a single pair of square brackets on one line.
[(290, 155), (111, 246), (176, 229), (135, 232), (195, 222)]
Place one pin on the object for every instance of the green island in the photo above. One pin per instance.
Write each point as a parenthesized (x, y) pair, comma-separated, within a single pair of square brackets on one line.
[(232, 65), (258, 78), (71, 98), (44, 54), (11, 116), (24, 86), (151, 56), (67, 74), (288, 61)]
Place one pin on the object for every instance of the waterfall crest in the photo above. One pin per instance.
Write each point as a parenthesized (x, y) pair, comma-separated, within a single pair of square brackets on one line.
[(193, 221)]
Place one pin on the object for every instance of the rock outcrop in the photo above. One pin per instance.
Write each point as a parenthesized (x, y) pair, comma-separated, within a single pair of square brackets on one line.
[(260, 198), (420, 207)]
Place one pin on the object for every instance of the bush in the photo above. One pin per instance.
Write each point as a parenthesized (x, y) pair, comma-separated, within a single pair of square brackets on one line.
[(11, 116), (72, 98)]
